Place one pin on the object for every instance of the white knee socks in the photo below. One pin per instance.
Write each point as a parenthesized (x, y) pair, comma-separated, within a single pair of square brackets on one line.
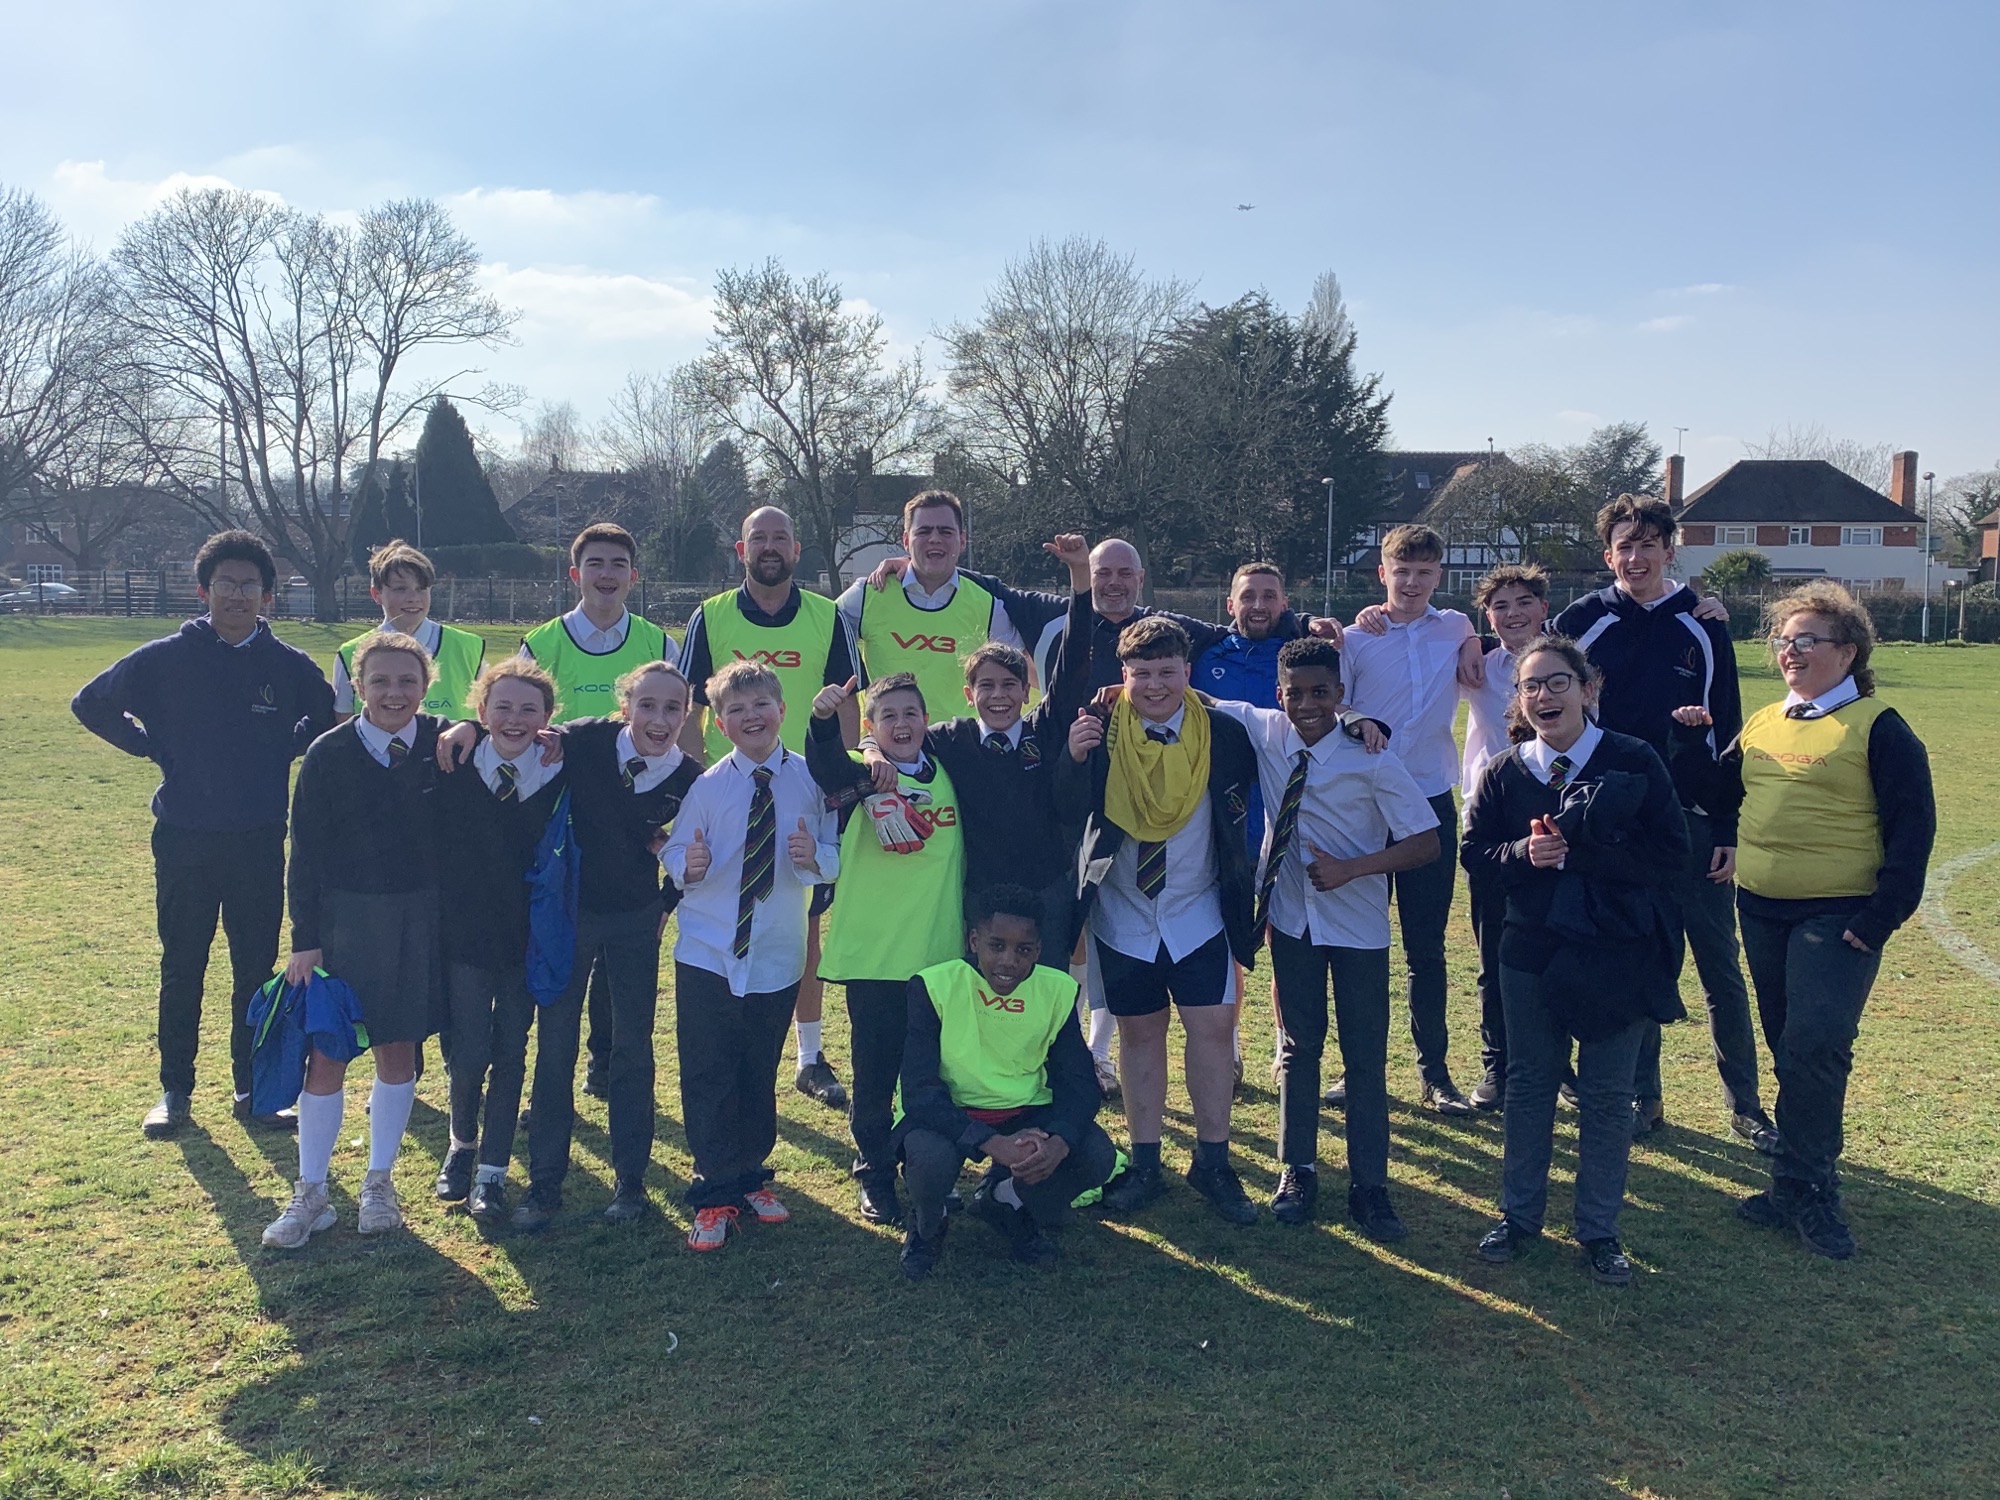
[(319, 1132), (388, 1113), (807, 1033)]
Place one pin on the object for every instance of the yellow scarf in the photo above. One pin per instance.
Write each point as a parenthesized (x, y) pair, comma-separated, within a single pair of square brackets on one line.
[(1153, 789)]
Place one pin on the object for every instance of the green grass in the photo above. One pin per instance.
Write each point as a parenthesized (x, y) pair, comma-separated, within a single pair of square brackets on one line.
[(149, 1347)]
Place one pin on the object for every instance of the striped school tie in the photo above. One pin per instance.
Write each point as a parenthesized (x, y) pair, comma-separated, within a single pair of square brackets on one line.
[(999, 744), (1803, 711), (398, 753), (760, 853), (1282, 832), (1559, 770), (1153, 857), (634, 769), (507, 790)]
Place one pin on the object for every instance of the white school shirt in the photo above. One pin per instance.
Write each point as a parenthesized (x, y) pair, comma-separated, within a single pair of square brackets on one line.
[(1538, 755), (1188, 910), (1838, 696), (658, 767), (530, 775), (1408, 678), (429, 635), (718, 804), (590, 638), (1355, 804), (1486, 735), (377, 740)]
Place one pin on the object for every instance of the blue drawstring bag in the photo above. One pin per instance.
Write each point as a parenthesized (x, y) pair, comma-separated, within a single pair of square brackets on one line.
[(552, 895), (287, 1021)]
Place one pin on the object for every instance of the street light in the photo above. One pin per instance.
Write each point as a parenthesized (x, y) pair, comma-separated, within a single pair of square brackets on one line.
[(1930, 495), (1326, 578)]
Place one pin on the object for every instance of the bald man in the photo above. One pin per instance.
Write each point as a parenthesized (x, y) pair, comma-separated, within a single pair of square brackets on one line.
[(769, 619)]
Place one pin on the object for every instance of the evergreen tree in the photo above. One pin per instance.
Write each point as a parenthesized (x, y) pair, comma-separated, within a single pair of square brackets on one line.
[(379, 518), (459, 507)]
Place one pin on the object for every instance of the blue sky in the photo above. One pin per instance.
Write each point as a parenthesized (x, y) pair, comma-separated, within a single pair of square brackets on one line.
[(1730, 217)]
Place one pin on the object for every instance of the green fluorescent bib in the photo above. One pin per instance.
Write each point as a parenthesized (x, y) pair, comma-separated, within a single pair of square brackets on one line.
[(455, 666), (1808, 827), (994, 1049), (797, 652), (894, 914), (587, 684), (896, 636)]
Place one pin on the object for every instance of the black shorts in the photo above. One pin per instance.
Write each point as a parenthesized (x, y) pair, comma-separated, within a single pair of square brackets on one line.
[(822, 899), (1135, 987)]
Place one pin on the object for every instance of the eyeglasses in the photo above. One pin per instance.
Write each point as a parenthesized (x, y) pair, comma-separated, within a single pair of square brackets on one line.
[(1805, 645), (1555, 684), (229, 588)]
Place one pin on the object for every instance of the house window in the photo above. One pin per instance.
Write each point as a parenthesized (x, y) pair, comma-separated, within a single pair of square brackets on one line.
[(45, 573), (1340, 578), (1463, 580), (1861, 536), (1734, 536), (1801, 536), (1423, 481)]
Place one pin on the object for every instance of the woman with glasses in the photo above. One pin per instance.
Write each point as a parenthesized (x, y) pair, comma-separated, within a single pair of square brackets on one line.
[(1582, 829), (1837, 823)]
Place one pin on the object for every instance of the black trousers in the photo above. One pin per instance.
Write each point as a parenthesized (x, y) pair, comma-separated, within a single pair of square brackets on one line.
[(730, 1048), (878, 1015), (597, 1022), (198, 875), (628, 944), (491, 1010), (931, 1165), (1423, 911), (1299, 969), (1487, 898)]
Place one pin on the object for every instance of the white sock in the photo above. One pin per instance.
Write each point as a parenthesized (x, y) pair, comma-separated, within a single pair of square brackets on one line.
[(808, 1035), (1101, 1030), (491, 1174), (388, 1113), (319, 1132), (1007, 1193)]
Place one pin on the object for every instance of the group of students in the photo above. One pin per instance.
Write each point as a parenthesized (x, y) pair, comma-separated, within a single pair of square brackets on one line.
[(991, 888)]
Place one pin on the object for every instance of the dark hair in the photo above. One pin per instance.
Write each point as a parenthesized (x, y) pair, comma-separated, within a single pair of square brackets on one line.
[(603, 531), (929, 498), (1413, 543), (1153, 638), (397, 553), (1529, 576), (235, 546), (1006, 658), (1309, 651), (1646, 513), (897, 682), (1852, 624), (1002, 901), (1519, 730)]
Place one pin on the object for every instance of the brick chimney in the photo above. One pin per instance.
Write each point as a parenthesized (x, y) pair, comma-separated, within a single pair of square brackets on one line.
[(1903, 479), (1676, 480)]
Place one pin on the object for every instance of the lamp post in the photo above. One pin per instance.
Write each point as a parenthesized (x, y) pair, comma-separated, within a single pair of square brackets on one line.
[(1326, 578), (1930, 497)]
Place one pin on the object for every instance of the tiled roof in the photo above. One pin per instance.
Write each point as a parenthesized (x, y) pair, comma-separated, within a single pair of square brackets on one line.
[(1797, 490)]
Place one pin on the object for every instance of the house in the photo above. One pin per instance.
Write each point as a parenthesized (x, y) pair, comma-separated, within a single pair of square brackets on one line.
[(564, 501), (1412, 483), (28, 551), (1812, 521), (1989, 549)]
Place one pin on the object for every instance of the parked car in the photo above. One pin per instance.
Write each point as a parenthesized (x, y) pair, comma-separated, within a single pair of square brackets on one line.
[(43, 596)]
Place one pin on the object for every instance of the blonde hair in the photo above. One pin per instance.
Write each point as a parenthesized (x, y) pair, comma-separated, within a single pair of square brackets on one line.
[(743, 677), (1852, 624), (378, 641), (520, 670), (631, 679)]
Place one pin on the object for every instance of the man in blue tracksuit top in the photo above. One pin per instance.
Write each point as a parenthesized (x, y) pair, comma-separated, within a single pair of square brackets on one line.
[(223, 707), (1656, 656), (1242, 667)]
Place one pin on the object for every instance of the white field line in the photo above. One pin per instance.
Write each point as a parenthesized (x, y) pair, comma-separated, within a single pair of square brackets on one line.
[(1939, 923)]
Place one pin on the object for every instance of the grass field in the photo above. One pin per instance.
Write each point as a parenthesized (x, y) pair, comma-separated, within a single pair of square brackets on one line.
[(149, 1347)]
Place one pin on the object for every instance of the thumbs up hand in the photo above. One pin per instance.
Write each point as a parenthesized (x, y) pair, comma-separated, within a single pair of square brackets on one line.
[(1327, 872), (803, 848), (827, 701), (698, 857), (1547, 848)]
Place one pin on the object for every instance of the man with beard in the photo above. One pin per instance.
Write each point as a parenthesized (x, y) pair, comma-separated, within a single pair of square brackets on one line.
[(800, 636)]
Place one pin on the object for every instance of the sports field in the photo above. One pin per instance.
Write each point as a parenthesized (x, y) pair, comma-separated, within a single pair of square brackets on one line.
[(148, 1346)]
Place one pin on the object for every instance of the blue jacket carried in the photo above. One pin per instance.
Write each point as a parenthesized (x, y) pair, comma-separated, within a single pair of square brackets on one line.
[(287, 1022), (553, 883)]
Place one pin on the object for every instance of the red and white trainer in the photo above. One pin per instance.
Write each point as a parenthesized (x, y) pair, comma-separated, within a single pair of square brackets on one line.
[(765, 1205), (711, 1228)]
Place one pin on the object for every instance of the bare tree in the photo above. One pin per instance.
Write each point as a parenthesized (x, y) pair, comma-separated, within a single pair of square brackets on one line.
[(656, 435), (295, 330), (806, 386), (1867, 462), (555, 439), (1326, 313)]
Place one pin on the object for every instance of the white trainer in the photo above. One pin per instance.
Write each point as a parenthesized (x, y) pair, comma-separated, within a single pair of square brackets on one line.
[(305, 1216), (380, 1212)]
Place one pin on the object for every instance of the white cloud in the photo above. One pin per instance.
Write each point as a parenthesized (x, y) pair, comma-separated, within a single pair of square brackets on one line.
[(572, 304), (1665, 325), (96, 206), (1700, 289)]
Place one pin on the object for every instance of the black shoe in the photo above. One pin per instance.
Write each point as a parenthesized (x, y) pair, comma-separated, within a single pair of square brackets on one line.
[(597, 1079), (1759, 1132), (1297, 1195), (527, 1120), (537, 1209), (1823, 1226), (488, 1203), (166, 1118), (1765, 1209), (1490, 1097), (1371, 1209), (1608, 1265), (1648, 1115), (919, 1255), (1220, 1185), (879, 1204), (1134, 1188), (818, 1082), (1503, 1242), (628, 1203), (1567, 1093), (1336, 1093), (1444, 1098), (1036, 1248), (278, 1120), (454, 1181)]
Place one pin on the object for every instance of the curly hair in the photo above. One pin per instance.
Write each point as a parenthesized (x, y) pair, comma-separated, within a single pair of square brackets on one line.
[(1519, 729), (1852, 625)]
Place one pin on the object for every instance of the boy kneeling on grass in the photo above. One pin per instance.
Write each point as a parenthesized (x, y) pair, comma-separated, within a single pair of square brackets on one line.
[(994, 1066), (752, 840)]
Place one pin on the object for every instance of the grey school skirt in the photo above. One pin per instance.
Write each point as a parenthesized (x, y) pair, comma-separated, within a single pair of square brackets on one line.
[(386, 948)]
